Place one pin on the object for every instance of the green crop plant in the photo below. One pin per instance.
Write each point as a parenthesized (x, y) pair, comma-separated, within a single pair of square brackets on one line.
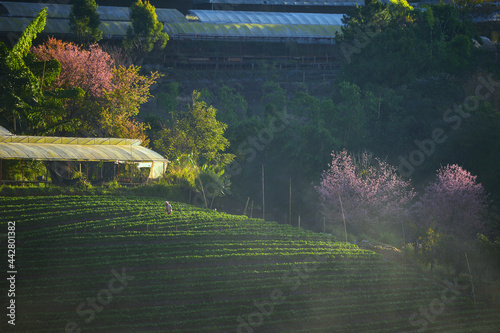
[(201, 270)]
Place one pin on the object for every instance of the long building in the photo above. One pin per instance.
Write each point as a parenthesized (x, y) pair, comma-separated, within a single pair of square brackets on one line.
[(301, 6), (201, 36), (98, 158)]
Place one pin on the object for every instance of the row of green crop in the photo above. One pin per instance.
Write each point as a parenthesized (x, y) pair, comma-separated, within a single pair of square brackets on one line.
[(209, 249), (127, 225), (34, 204), (184, 315), (283, 316), (199, 289), (258, 270), (199, 270), (127, 256)]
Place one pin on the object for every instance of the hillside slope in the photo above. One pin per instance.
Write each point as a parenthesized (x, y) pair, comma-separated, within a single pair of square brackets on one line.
[(121, 264)]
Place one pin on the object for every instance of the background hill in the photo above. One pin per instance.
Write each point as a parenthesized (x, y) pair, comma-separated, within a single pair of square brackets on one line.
[(120, 264)]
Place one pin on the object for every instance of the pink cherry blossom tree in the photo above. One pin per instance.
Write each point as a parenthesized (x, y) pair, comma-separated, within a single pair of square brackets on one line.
[(370, 189), (455, 203), (89, 69), (112, 95)]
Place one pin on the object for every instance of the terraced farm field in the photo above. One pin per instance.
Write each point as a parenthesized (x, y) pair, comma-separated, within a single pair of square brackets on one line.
[(121, 264)]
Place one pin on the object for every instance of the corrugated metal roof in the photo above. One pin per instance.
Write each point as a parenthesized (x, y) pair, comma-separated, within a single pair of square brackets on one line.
[(51, 148), (220, 16)]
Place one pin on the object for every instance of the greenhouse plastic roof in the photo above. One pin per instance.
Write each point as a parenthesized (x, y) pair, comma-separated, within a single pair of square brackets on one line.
[(220, 16), (106, 13), (61, 26), (284, 2), (301, 33), (50, 148), (4, 131)]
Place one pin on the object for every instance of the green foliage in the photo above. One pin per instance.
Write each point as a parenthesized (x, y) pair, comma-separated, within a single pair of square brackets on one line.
[(146, 33), (457, 54), (430, 246), (488, 256), (82, 182), (23, 45), (232, 267), (182, 172), (84, 21), (196, 132), (479, 145), (310, 134), (354, 109), (394, 44), (22, 170), (160, 190), (122, 103), (100, 99), (232, 106), (168, 99), (273, 97), (25, 107)]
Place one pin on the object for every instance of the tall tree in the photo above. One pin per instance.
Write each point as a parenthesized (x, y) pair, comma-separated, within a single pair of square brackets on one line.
[(455, 203), (394, 44), (87, 69), (112, 95), (25, 108), (196, 132), (370, 190), (129, 91), (146, 33), (84, 21)]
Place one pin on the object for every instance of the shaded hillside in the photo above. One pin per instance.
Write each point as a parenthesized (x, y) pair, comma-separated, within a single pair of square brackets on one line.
[(121, 264)]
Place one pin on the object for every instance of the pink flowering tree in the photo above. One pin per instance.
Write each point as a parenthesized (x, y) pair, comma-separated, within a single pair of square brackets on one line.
[(371, 191), (89, 69), (112, 95), (455, 203)]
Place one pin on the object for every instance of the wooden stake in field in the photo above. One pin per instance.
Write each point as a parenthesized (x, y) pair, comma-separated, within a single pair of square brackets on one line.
[(203, 191), (263, 201), (470, 275), (246, 206), (290, 204), (213, 198), (299, 221), (404, 245), (201, 184), (343, 216)]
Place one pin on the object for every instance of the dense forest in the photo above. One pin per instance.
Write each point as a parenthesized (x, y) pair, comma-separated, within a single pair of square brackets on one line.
[(414, 109)]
